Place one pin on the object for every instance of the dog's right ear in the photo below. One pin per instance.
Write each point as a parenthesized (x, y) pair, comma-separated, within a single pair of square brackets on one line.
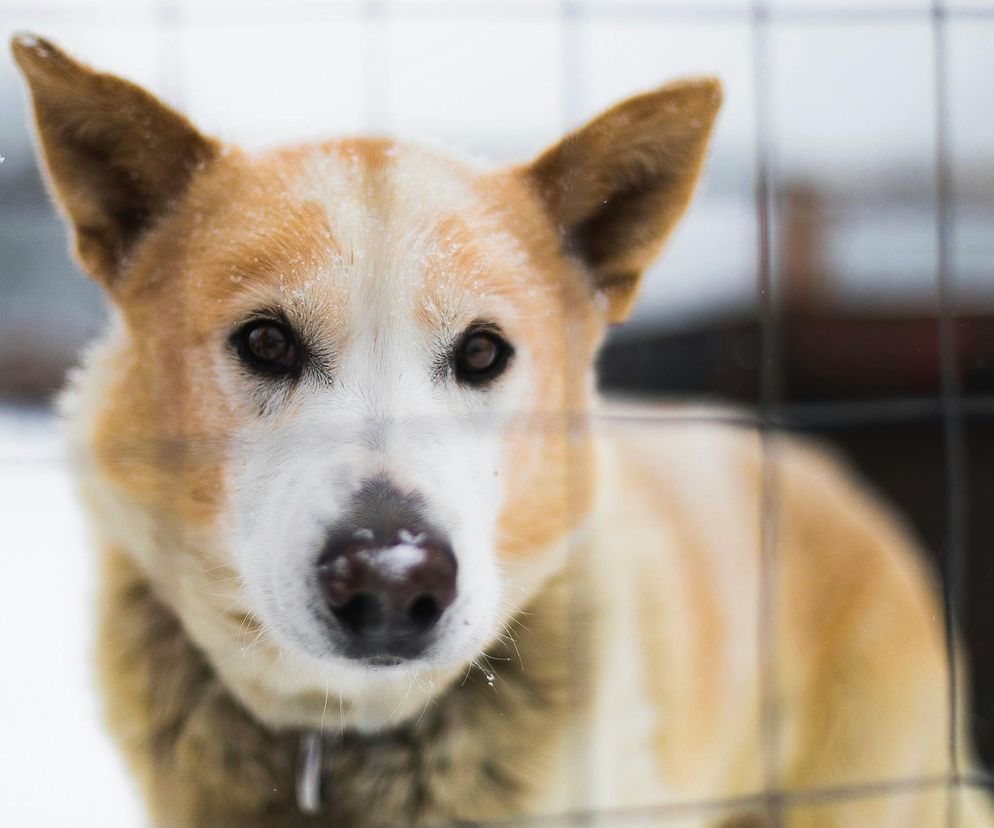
[(617, 186), (116, 157)]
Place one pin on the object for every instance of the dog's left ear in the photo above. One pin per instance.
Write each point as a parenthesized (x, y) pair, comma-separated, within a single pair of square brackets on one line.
[(117, 158), (617, 186)]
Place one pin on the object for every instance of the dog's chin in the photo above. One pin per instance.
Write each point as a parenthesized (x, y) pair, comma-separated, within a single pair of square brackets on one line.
[(333, 655), (440, 656), (311, 640), (383, 662), (306, 663)]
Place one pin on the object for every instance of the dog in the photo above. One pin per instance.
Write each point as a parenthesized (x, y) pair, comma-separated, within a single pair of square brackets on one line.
[(375, 553)]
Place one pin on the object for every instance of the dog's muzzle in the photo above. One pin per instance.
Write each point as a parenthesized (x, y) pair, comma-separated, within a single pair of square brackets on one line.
[(386, 576)]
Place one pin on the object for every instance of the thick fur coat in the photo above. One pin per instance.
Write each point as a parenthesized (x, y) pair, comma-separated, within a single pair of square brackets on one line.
[(657, 615)]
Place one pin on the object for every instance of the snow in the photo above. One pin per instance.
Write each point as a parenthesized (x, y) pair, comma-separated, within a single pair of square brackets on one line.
[(408, 537), (57, 764), (29, 41), (395, 562), (342, 567)]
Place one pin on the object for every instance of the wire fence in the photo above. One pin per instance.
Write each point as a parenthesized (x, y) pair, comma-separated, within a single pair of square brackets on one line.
[(774, 412)]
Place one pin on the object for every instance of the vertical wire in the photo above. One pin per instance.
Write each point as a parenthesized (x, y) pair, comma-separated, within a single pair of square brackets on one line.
[(374, 60), (169, 445), (768, 397), (169, 16), (573, 79), (571, 95), (951, 399)]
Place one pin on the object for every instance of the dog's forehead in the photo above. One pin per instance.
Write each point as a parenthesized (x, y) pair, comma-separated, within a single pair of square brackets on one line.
[(412, 229), (370, 185), (361, 228)]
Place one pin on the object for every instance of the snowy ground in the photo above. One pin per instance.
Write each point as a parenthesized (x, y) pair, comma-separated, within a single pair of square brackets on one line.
[(57, 765)]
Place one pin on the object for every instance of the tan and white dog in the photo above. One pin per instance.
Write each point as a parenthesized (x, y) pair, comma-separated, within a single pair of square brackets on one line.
[(374, 554)]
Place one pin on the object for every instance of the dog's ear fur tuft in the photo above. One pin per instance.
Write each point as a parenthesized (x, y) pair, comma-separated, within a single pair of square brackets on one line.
[(617, 186), (116, 157)]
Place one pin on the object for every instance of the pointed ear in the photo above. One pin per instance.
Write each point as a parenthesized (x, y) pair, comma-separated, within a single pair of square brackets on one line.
[(617, 186), (116, 157)]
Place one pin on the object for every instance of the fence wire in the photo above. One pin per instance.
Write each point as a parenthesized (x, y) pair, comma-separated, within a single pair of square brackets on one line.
[(773, 415)]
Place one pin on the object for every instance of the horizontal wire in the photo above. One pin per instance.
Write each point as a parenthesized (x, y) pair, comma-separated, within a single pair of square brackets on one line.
[(788, 798), (789, 417), (786, 416), (882, 411), (450, 10), (976, 779)]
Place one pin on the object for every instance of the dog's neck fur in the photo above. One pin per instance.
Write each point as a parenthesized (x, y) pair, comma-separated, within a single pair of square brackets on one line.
[(204, 760)]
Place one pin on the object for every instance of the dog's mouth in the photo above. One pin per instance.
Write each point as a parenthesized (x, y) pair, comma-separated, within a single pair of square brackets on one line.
[(383, 661), (381, 647)]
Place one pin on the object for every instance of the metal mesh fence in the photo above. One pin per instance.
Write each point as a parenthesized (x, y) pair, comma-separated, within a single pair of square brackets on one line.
[(953, 407)]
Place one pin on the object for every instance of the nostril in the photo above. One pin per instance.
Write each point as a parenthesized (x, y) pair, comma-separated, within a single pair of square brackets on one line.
[(387, 587), (423, 613), (363, 614)]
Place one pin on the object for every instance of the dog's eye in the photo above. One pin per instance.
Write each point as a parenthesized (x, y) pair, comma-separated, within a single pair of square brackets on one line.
[(267, 346), (480, 356)]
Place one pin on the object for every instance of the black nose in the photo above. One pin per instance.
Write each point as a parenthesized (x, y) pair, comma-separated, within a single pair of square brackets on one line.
[(388, 577), (389, 592)]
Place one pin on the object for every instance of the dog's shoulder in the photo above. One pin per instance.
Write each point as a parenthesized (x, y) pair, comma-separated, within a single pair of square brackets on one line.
[(709, 473), (714, 466), (720, 519)]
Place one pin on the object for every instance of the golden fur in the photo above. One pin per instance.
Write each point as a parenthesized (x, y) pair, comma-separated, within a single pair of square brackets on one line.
[(631, 675)]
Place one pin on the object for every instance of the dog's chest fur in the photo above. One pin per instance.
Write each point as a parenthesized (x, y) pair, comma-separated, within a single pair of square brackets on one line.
[(477, 753)]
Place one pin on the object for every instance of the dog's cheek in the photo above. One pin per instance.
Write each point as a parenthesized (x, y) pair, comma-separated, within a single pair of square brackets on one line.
[(466, 494), (283, 495), (475, 618), (548, 474)]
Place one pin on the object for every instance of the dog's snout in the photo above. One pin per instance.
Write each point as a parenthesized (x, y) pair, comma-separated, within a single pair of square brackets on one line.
[(388, 577), (395, 592)]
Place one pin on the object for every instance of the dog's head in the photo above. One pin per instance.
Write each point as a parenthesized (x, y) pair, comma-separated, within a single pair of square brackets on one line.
[(345, 403)]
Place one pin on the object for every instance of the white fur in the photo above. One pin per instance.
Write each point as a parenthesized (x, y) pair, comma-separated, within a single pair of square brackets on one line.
[(301, 455), (385, 412)]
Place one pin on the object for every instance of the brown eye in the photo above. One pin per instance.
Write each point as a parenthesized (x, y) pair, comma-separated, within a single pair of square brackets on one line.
[(481, 356), (267, 346)]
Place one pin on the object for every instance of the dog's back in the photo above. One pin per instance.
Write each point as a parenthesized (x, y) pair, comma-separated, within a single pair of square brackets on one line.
[(774, 624)]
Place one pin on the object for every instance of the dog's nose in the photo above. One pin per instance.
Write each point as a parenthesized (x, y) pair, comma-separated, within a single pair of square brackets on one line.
[(386, 574), (388, 593)]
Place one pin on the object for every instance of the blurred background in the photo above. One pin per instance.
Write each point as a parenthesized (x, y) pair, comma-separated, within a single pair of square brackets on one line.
[(835, 273)]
